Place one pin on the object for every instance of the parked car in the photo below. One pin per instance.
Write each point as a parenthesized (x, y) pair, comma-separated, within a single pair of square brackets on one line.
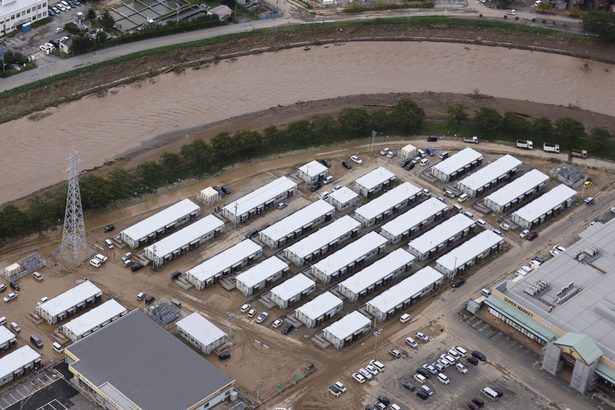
[(326, 163), (478, 402), (36, 341), (149, 299), (251, 312), (14, 285), (442, 378), (384, 400), (335, 391), (531, 236), (372, 369), (377, 364), (110, 227), (346, 165), (422, 395), (366, 374), (136, 266), (405, 318), (356, 159), (422, 336), (472, 360), (245, 307), (409, 385), (224, 355), (479, 355), (557, 249), (461, 368), (225, 189), (140, 296), (457, 282), (95, 262), (57, 347), (395, 353), (277, 323), (384, 151), (358, 377), (427, 389), (38, 276), (341, 386), (102, 258), (423, 372), (391, 154), (2, 287), (430, 368), (127, 256), (42, 300), (328, 179), (10, 297), (410, 165), (262, 317), (315, 186), (175, 275), (288, 328), (411, 342), (281, 205)]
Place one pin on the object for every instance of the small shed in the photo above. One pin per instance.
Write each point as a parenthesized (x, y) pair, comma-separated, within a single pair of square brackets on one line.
[(409, 151), (12, 270), (208, 195)]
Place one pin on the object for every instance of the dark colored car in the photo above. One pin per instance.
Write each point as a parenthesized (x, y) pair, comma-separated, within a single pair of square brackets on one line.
[(346, 165), (384, 400), (472, 406), (326, 163), (531, 236), (225, 189), (410, 166), (14, 285), (405, 162), (136, 266), (422, 395), (251, 233), (109, 228), (479, 355), (224, 355), (458, 282), (409, 385), (149, 299), (478, 402), (499, 392), (315, 186), (219, 190), (432, 139), (288, 328), (36, 341), (473, 360), (175, 275), (370, 407), (423, 372)]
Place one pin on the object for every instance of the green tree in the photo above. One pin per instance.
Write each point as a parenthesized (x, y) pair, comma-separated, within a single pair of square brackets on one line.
[(569, 131), (324, 128), (516, 124), (248, 142), (13, 221), (457, 114), (381, 121), (224, 148), (600, 141), (96, 192), (170, 160), (91, 15), (542, 129), (107, 21), (354, 123), (275, 138), (601, 23), (487, 121), (299, 133), (151, 172), (81, 44), (407, 116), (72, 28)]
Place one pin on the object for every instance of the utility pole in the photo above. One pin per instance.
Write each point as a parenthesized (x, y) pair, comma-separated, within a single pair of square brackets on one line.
[(231, 319), (376, 333), (373, 140)]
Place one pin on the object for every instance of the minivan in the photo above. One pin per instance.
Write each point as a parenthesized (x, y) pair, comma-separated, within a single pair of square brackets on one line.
[(489, 393), (444, 156), (442, 378), (36, 341), (485, 292), (420, 378), (463, 352), (15, 327), (405, 318), (463, 197), (109, 243)]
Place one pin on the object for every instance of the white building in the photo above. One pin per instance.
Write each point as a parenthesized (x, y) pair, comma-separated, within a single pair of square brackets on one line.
[(93, 320), (259, 200), (545, 206), (469, 253), (489, 176), (7, 339), (516, 191), (347, 330), (409, 151), (224, 263), (374, 181), (457, 164), (312, 172), (261, 275), (319, 309), (292, 290), (200, 333), (414, 220), (184, 240), (160, 223), (343, 198), (16, 13), (297, 224), (441, 236), (322, 241), (387, 204), (208, 196), (58, 308), (378, 273), (17, 363), (348, 258), (405, 293)]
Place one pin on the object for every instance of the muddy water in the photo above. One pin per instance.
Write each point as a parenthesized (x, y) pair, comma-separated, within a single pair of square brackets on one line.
[(32, 152)]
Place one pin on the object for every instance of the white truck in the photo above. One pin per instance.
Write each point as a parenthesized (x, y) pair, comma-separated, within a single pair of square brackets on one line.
[(525, 144), (579, 153), (551, 148), (471, 140)]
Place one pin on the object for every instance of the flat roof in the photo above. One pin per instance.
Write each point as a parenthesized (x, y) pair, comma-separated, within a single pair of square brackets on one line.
[(6, 335), (260, 196), (491, 172), (387, 200), (320, 305), (95, 317), (414, 216), (201, 329), (16, 5), (348, 325), (313, 168), (546, 202), (469, 249), (224, 260), (343, 195), (457, 161), (377, 270), (324, 236), (406, 289), (293, 286), (185, 236), (142, 363), (300, 219), (17, 359), (261, 271), (161, 219), (350, 253), (518, 187), (70, 298), (441, 233), (374, 178)]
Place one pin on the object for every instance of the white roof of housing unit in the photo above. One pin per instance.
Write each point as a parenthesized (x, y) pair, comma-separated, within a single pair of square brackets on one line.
[(491, 172), (260, 196), (387, 200), (457, 161), (377, 270), (303, 218), (201, 329), (343, 195), (414, 216), (5, 335), (161, 219), (324, 236), (546, 202), (261, 272), (293, 286), (408, 148), (518, 187), (17, 359), (70, 298), (320, 305), (469, 249), (405, 289), (441, 233), (374, 178), (209, 192), (95, 317), (347, 325), (350, 253), (224, 259), (185, 236), (313, 168)]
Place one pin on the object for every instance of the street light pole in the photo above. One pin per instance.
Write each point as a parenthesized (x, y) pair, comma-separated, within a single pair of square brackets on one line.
[(376, 333)]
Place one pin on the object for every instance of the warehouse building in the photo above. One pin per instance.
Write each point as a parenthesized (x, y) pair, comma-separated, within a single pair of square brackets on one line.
[(378, 273), (405, 293), (374, 181), (322, 241), (184, 240), (343, 199), (435, 240), (93, 320), (489, 176), (200, 333), (514, 193), (292, 290), (224, 263), (457, 165), (387, 204), (312, 172), (258, 201), (414, 220), (160, 223), (347, 330), (297, 224), (261, 275), (544, 207), (319, 310), (135, 364), (17, 363), (7, 339), (68, 303), (469, 253)]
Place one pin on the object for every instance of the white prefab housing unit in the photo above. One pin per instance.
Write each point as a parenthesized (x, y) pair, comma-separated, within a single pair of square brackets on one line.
[(16, 13), (160, 223), (58, 308), (224, 263), (7, 338), (353, 255), (312, 172), (439, 237), (17, 363), (404, 293), (93, 320), (184, 240), (297, 224), (292, 290), (414, 220), (260, 275), (208, 195), (201, 333), (516, 191), (545, 206), (322, 241), (347, 329), (387, 204), (469, 253), (319, 309), (378, 273), (374, 181), (409, 151), (11, 271), (343, 198), (457, 164), (258, 201), (489, 176)]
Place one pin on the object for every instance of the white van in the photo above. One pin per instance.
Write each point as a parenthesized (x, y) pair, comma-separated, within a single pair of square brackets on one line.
[(485, 292), (424, 162), (405, 318), (463, 352), (109, 243), (489, 393), (420, 378), (463, 198), (442, 378)]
